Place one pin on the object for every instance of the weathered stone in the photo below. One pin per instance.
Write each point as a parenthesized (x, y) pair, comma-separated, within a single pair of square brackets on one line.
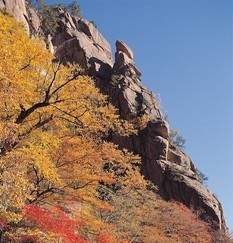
[(159, 128), (90, 30), (2, 4), (122, 47), (173, 172), (34, 21), (177, 156), (83, 44), (181, 184), (66, 20), (163, 163), (50, 44), (126, 91), (125, 65)]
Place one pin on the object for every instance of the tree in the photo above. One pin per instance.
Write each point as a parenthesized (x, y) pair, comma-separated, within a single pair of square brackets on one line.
[(176, 138), (49, 14), (49, 21), (53, 121), (56, 166), (201, 176), (74, 9)]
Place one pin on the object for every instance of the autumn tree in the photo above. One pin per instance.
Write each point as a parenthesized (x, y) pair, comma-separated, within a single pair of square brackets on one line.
[(142, 216), (176, 138), (56, 164), (53, 121)]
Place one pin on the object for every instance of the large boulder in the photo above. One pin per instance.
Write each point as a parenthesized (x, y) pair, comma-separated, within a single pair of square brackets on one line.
[(17, 9)]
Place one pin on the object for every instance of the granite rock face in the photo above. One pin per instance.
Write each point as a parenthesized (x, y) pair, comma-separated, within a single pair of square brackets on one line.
[(163, 163), (121, 46), (34, 22), (125, 88), (78, 41)]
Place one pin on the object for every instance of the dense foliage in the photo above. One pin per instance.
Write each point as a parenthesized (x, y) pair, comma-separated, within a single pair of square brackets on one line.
[(60, 180), (52, 122)]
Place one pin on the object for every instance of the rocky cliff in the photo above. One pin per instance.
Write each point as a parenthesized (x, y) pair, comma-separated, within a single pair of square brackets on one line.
[(166, 165)]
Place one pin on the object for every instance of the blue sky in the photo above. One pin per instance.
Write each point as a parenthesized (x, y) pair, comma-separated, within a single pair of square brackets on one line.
[(184, 50)]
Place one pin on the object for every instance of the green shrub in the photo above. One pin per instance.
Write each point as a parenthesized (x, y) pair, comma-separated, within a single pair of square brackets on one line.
[(176, 138)]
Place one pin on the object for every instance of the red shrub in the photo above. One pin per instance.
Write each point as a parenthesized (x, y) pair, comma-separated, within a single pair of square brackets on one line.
[(55, 221), (103, 238)]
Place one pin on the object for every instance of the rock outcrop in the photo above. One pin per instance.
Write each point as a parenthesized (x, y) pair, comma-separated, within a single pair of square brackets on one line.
[(163, 163), (125, 88), (78, 41), (166, 165), (34, 22)]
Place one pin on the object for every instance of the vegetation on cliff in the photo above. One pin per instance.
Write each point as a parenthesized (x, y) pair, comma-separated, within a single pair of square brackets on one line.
[(61, 181)]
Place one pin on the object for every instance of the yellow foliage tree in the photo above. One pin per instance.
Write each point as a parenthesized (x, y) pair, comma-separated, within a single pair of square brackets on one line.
[(53, 121), (55, 158)]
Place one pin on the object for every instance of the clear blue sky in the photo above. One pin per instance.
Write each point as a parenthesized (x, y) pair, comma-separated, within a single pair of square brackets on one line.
[(184, 49)]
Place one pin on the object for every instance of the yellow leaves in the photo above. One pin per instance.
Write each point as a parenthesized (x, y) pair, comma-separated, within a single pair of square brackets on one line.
[(56, 152), (29, 76), (15, 180), (42, 162), (110, 152), (94, 224), (94, 201), (14, 188), (20, 57), (20, 234), (8, 134), (134, 179), (44, 140), (37, 151)]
